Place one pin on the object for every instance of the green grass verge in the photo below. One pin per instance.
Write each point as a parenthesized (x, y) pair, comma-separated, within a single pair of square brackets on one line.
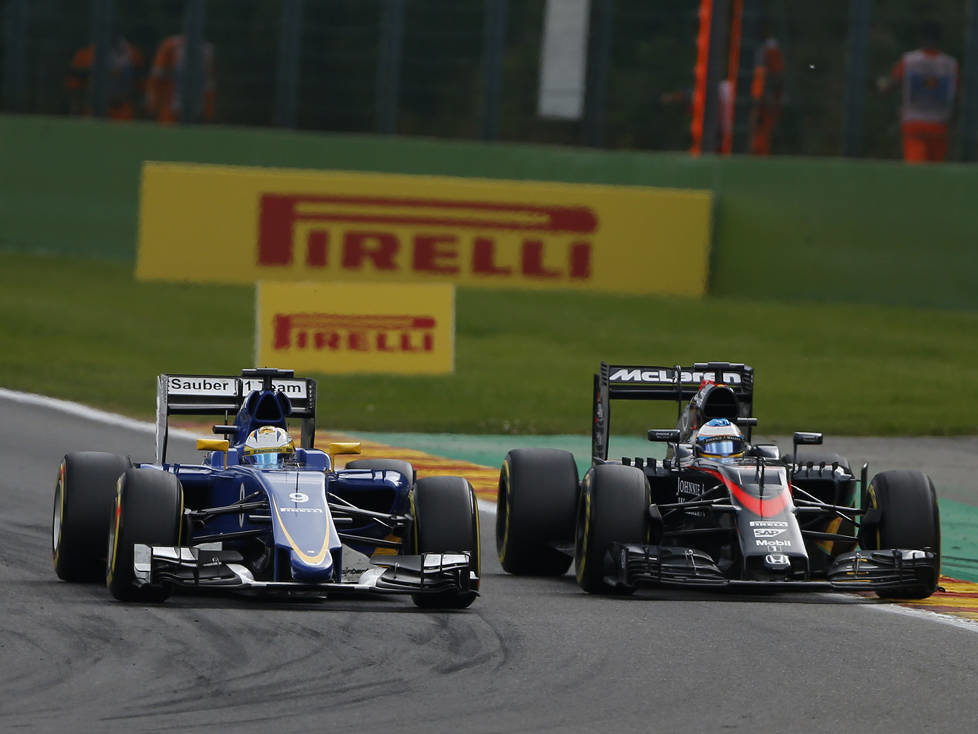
[(85, 330)]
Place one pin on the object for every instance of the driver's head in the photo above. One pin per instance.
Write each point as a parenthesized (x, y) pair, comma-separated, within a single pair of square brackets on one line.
[(267, 446), (719, 439)]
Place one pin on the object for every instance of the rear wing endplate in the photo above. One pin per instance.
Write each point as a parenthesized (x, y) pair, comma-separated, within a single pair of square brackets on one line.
[(679, 383), (224, 395)]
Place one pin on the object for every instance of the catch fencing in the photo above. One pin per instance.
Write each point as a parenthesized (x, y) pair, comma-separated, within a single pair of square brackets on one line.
[(471, 69)]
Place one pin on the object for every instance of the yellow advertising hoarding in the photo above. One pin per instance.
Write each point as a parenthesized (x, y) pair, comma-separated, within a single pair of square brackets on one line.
[(238, 224), (356, 328)]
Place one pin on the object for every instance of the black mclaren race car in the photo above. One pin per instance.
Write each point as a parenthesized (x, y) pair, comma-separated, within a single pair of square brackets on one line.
[(718, 511), (260, 514)]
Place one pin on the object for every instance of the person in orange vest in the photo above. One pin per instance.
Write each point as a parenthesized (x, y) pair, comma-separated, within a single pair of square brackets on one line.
[(125, 80), (929, 79), (766, 92), (165, 97)]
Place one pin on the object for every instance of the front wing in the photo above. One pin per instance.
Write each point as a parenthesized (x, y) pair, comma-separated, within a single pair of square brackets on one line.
[(430, 573), (873, 570)]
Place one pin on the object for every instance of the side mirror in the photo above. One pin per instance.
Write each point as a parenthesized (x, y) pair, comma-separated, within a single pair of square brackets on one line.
[(342, 447), (667, 435), (215, 444), (807, 438), (804, 438)]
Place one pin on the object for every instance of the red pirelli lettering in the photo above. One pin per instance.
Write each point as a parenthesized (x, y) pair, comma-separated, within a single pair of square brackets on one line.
[(280, 215), (354, 332)]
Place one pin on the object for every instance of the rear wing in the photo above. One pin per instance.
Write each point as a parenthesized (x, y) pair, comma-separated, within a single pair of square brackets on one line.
[(635, 382), (223, 395)]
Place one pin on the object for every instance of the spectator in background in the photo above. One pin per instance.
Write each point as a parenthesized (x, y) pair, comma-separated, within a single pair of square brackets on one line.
[(929, 79), (166, 87), (766, 91), (125, 82), (725, 102)]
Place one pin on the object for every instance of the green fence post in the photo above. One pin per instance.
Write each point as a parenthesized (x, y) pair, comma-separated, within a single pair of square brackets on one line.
[(598, 65), (102, 37), (16, 24), (857, 55), (750, 27), (968, 124), (719, 26), (193, 73), (493, 42), (289, 51), (387, 90)]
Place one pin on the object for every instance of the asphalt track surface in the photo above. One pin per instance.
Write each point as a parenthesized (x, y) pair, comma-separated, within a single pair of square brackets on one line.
[(531, 655)]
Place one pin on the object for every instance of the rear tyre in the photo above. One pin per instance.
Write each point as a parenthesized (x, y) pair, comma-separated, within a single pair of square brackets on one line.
[(446, 519), (535, 509), (614, 507), (397, 465), (148, 510), (83, 498), (908, 519)]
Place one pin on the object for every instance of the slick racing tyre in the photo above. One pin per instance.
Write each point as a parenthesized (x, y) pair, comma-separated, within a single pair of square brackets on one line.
[(908, 519), (446, 519), (397, 465), (148, 510), (83, 499), (614, 507), (535, 510)]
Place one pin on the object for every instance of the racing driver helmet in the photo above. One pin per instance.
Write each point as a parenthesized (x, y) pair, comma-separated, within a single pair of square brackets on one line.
[(268, 446), (719, 439)]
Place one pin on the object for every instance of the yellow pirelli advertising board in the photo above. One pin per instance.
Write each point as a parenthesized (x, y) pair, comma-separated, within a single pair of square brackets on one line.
[(236, 224), (356, 328)]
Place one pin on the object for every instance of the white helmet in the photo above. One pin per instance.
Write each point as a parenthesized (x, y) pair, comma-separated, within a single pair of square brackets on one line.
[(267, 446), (719, 439)]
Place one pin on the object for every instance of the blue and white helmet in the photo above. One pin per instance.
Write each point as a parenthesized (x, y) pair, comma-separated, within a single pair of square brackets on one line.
[(268, 446), (719, 439)]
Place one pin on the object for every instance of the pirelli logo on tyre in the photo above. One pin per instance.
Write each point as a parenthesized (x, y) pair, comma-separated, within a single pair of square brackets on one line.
[(237, 224), (347, 328)]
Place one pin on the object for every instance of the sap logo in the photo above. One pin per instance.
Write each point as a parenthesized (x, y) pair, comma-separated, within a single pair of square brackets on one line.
[(767, 532)]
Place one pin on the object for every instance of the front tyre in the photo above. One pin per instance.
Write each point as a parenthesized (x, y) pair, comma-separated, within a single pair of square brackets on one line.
[(148, 510), (535, 510), (908, 519), (614, 507), (83, 498), (446, 520)]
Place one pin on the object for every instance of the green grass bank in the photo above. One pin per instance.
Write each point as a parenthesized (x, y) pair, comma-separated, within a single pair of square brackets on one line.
[(785, 228), (84, 330)]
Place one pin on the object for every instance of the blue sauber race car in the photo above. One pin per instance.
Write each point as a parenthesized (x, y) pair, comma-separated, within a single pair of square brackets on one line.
[(261, 514), (718, 511)]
